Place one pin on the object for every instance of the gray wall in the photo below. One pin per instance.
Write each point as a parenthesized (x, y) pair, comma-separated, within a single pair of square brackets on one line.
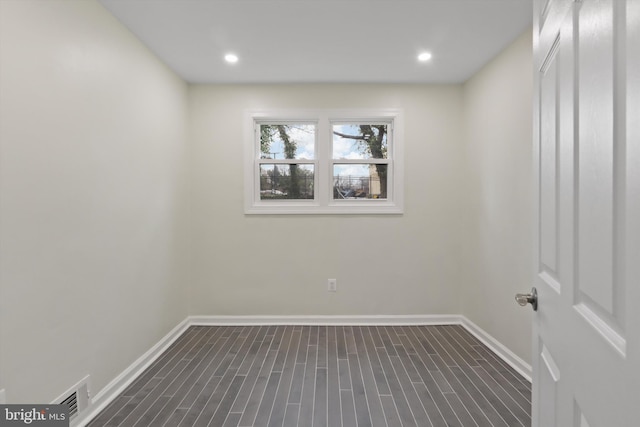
[(257, 265), (498, 249), (93, 183)]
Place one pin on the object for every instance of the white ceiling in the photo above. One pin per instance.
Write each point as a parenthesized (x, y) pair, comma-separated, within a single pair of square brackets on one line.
[(312, 41)]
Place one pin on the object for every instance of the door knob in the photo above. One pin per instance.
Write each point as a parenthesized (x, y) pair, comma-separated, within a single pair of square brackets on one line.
[(530, 298)]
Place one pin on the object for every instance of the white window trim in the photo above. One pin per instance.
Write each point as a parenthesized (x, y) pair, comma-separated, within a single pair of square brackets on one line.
[(323, 202)]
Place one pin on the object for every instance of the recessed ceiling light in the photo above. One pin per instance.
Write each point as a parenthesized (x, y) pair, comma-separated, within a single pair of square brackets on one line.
[(231, 58), (424, 56)]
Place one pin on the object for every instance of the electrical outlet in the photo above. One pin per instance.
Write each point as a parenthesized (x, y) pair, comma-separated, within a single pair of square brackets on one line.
[(332, 285)]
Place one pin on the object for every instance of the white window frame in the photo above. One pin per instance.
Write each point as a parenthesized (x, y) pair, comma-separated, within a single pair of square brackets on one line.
[(323, 202)]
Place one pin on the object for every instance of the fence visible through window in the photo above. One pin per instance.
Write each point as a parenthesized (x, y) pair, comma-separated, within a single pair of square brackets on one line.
[(344, 187), (356, 187)]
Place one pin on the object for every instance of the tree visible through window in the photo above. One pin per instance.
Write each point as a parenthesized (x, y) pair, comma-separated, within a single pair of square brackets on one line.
[(360, 161), (287, 180), (324, 161)]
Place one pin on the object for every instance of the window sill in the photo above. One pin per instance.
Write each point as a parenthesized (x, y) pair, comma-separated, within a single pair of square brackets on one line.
[(333, 209)]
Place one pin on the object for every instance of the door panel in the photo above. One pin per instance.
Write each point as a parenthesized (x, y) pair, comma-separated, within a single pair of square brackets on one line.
[(596, 211), (586, 335), (548, 162)]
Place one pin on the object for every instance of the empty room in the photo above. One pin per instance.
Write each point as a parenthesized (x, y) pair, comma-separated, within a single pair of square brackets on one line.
[(319, 212)]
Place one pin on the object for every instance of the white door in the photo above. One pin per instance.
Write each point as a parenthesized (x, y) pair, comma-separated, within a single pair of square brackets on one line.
[(586, 362)]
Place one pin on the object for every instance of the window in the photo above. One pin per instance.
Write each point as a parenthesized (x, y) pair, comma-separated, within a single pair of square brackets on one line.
[(325, 161), (287, 160), (359, 160)]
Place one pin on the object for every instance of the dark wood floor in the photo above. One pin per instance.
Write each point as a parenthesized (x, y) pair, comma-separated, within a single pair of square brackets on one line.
[(324, 376)]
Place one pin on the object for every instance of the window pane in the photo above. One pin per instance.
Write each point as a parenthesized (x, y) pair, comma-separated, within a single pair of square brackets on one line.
[(358, 181), (359, 141), (287, 141), (286, 181)]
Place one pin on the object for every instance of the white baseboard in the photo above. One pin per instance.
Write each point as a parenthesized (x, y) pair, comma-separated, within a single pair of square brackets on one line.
[(498, 348), (346, 320), (117, 386), (122, 381)]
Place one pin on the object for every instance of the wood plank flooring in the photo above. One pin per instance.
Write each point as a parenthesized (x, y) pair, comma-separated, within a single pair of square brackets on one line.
[(324, 376)]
